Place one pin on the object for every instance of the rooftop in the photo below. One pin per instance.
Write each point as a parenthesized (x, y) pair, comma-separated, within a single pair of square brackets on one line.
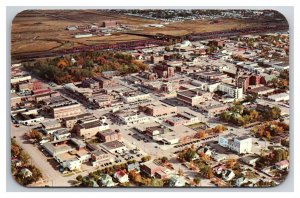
[(113, 145)]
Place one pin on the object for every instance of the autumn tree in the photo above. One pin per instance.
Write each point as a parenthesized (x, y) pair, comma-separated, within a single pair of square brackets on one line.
[(15, 150), (219, 128), (135, 177), (230, 163)]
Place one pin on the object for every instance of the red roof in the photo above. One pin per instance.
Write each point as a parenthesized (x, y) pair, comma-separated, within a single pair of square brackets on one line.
[(41, 91)]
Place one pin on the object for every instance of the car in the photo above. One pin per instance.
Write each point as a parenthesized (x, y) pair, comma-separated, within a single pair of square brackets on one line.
[(155, 147), (129, 133), (17, 125)]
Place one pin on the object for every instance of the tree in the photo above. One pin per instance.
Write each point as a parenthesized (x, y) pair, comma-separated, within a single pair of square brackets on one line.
[(230, 163), (135, 177), (146, 158), (251, 98), (189, 155), (36, 174), (164, 159), (225, 116), (156, 182), (219, 128), (167, 49), (15, 150), (197, 180), (240, 121), (268, 135), (34, 134), (201, 134), (253, 115), (24, 157), (237, 109), (79, 178), (206, 171), (87, 183)]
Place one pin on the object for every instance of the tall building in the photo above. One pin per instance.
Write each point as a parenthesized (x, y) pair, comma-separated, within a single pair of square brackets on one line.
[(164, 71), (247, 80)]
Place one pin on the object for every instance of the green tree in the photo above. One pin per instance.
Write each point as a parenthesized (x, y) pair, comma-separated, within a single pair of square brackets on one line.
[(197, 180), (24, 157), (79, 178), (189, 155)]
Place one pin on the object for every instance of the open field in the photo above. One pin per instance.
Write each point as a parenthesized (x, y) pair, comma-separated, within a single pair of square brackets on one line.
[(36, 31), (198, 26)]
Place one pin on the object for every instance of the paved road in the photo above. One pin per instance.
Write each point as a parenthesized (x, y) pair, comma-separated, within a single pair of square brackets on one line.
[(52, 177)]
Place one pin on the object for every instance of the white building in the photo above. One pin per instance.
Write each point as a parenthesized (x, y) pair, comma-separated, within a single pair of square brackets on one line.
[(29, 120), (72, 164), (231, 90), (241, 144), (121, 176), (135, 98), (279, 97), (134, 118), (83, 35), (280, 67), (19, 78), (177, 181)]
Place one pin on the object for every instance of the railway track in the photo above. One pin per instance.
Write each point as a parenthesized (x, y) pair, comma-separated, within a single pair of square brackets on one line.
[(157, 40)]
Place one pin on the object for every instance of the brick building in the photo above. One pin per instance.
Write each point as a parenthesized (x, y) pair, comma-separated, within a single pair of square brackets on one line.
[(245, 81), (164, 71), (109, 135)]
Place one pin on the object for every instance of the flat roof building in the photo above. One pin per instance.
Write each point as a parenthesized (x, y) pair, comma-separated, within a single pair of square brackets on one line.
[(65, 109), (89, 128), (157, 109), (193, 97)]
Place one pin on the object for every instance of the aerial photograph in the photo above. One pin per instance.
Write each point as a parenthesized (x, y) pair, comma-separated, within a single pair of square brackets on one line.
[(136, 98)]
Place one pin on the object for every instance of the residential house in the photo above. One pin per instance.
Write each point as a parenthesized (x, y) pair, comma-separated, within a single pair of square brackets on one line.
[(121, 176), (106, 181), (228, 175), (177, 181)]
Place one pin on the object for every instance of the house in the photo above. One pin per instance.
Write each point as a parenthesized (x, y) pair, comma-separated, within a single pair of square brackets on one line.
[(284, 164), (121, 176), (219, 169), (17, 162), (228, 175), (134, 166), (26, 172), (150, 168), (219, 157), (177, 181), (240, 181), (204, 150), (106, 181), (251, 159)]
